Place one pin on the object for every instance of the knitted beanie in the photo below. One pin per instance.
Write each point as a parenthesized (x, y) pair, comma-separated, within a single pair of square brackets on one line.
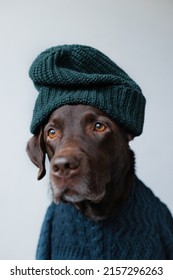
[(77, 74)]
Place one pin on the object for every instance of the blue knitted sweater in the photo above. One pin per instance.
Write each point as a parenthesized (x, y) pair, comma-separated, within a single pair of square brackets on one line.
[(142, 229)]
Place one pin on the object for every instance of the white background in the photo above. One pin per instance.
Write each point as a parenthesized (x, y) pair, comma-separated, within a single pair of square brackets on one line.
[(138, 36)]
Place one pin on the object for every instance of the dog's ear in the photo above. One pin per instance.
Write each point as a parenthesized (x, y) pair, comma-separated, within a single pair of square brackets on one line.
[(130, 136), (36, 152)]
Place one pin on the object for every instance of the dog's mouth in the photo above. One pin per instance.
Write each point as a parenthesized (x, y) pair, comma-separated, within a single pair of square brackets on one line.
[(69, 193), (66, 194)]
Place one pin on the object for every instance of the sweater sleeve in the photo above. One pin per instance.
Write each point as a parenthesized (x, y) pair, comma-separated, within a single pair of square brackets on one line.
[(166, 222), (44, 244), (170, 241)]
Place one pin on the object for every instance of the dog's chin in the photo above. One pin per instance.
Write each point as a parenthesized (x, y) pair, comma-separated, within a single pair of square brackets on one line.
[(67, 194), (67, 197)]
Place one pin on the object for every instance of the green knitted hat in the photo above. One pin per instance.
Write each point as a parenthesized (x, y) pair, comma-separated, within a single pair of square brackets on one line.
[(76, 74)]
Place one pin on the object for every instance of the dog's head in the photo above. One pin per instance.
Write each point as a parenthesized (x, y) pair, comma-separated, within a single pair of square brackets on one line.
[(89, 157)]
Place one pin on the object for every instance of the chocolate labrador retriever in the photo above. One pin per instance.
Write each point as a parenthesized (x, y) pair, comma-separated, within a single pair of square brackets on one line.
[(91, 164), (101, 209)]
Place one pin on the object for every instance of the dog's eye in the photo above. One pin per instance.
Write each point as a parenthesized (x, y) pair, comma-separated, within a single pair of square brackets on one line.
[(52, 133), (99, 127)]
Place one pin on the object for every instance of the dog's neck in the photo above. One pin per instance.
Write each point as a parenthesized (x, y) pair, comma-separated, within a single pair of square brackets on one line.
[(117, 191)]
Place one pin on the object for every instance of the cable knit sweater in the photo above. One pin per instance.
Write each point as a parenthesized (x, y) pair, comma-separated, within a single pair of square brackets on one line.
[(142, 229)]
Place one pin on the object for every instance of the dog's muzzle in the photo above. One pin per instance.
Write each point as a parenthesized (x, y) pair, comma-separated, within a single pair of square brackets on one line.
[(74, 178), (66, 171)]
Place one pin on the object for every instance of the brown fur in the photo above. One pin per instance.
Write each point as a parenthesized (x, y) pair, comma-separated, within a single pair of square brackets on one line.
[(94, 170)]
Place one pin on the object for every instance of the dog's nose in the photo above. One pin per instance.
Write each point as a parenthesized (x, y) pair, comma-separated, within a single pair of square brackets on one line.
[(65, 166)]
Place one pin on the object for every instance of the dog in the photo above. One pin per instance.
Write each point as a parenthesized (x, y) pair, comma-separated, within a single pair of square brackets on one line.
[(91, 164), (86, 113), (92, 168)]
